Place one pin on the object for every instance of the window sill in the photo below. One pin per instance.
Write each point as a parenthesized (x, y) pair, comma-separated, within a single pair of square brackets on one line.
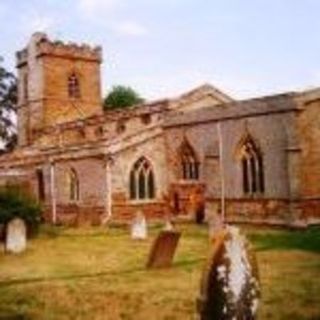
[(194, 181), (74, 202), (144, 201), (254, 195)]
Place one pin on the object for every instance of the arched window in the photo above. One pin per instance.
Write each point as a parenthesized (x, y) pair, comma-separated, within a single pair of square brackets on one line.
[(189, 162), (73, 86), (74, 187), (252, 168), (142, 184)]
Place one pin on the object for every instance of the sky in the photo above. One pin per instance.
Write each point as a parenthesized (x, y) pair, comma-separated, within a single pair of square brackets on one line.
[(163, 48)]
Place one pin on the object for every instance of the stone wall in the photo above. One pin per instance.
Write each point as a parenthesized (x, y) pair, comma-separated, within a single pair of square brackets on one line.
[(91, 176), (43, 70), (272, 124), (58, 107), (309, 169), (73, 133), (268, 131), (254, 211)]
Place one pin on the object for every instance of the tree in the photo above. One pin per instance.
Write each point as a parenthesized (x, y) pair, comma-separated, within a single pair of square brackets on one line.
[(121, 97), (8, 101), (16, 202)]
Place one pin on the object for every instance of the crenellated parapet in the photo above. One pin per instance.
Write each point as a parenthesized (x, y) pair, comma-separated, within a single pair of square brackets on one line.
[(22, 57), (43, 46)]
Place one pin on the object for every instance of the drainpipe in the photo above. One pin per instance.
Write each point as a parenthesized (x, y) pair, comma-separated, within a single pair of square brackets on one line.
[(223, 196), (108, 178), (53, 192)]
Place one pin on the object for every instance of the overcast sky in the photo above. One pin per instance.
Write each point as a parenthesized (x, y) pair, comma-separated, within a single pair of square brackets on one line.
[(164, 47)]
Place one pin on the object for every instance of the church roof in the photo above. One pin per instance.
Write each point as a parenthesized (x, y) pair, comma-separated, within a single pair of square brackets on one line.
[(235, 109)]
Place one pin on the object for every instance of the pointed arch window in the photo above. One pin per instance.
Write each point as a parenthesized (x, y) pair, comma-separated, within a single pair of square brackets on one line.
[(74, 86), (189, 163), (142, 184), (253, 181), (74, 186)]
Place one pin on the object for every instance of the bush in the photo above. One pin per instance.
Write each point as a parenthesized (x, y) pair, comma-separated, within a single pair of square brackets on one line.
[(16, 203)]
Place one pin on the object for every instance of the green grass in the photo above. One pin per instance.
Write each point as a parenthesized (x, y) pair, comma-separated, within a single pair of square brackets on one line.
[(306, 240), (98, 273)]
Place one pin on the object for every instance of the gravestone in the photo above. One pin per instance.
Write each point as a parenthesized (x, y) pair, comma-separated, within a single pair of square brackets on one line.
[(168, 226), (230, 287), (16, 236), (139, 227), (215, 223), (163, 249)]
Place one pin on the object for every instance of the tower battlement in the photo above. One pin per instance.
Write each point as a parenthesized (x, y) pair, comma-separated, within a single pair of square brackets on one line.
[(70, 50), (58, 82)]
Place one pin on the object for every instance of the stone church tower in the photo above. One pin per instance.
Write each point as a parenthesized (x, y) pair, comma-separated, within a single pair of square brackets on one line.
[(58, 83)]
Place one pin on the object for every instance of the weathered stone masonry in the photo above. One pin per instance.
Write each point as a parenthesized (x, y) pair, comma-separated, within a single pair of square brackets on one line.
[(162, 157)]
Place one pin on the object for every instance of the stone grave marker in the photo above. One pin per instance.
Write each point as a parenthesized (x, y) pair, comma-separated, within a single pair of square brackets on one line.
[(163, 249), (230, 287), (16, 236), (139, 227), (215, 223), (168, 226)]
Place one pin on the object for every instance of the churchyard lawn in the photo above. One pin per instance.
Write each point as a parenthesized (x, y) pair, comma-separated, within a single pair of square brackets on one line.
[(98, 273)]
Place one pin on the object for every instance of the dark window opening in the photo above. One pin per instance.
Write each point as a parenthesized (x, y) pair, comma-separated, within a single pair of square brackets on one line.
[(253, 175), (151, 185), (252, 169), (189, 163), (25, 87), (132, 185), (146, 118), (74, 186), (261, 173), (142, 185), (41, 185), (121, 126), (73, 86), (176, 202), (245, 176)]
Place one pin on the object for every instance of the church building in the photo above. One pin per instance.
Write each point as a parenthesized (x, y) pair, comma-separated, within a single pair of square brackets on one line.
[(256, 161)]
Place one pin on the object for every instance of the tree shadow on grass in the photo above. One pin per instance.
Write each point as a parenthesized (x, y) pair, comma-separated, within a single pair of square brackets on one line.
[(13, 316), (305, 240), (12, 282), (68, 277)]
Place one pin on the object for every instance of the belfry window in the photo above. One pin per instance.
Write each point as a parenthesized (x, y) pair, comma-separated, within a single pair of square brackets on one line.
[(189, 162), (74, 187), (73, 86), (252, 168), (142, 184)]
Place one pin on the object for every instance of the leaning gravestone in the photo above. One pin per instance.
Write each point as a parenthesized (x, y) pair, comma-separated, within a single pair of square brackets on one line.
[(230, 286), (163, 249), (16, 236), (139, 227)]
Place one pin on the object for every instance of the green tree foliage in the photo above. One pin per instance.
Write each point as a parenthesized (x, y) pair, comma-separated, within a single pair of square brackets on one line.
[(16, 203), (121, 97), (8, 101)]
